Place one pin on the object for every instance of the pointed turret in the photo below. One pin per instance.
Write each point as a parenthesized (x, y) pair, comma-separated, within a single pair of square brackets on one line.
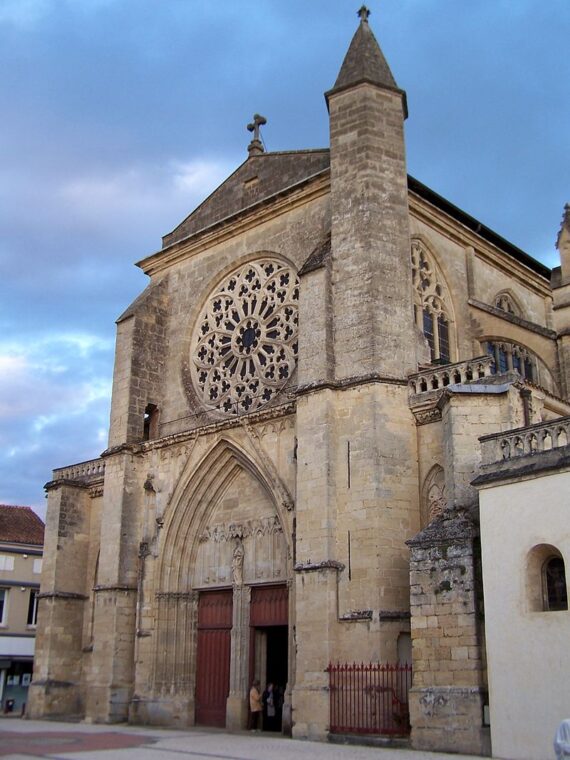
[(372, 290), (365, 62)]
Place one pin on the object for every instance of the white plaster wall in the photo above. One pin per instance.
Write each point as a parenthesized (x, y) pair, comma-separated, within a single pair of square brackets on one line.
[(528, 652)]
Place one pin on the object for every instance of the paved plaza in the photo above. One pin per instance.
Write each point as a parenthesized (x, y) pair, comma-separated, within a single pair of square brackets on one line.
[(25, 739)]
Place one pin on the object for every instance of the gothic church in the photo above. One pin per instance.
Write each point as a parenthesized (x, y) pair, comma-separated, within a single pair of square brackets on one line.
[(310, 398)]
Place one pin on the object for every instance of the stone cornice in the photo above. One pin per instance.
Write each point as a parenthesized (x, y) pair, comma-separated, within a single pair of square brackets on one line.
[(53, 484), (313, 567), (512, 318), (123, 587), (460, 234), (70, 596), (268, 413), (349, 382)]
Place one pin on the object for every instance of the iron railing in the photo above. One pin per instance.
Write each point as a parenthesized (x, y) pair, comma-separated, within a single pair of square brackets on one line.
[(370, 698)]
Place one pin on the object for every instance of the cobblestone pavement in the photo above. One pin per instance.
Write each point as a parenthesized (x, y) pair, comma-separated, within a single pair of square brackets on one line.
[(25, 739)]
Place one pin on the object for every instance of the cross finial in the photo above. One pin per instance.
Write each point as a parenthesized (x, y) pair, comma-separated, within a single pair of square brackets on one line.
[(256, 146), (258, 121), (363, 13)]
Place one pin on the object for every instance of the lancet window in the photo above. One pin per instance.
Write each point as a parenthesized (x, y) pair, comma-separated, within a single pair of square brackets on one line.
[(432, 304)]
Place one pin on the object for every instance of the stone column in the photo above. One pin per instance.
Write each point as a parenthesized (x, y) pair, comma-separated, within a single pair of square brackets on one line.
[(56, 689), (236, 709), (112, 662), (449, 691)]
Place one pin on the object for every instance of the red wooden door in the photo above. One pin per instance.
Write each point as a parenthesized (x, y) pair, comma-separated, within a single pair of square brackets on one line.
[(213, 657)]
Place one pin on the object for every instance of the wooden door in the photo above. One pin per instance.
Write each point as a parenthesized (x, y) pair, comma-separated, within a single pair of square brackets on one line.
[(213, 657)]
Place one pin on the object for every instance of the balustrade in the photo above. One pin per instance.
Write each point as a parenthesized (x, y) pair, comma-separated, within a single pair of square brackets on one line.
[(435, 378), (534, 439), (94, 468)]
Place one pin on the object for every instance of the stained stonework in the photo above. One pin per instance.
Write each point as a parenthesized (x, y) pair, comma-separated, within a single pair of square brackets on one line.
[(299, 391), (449, 681)]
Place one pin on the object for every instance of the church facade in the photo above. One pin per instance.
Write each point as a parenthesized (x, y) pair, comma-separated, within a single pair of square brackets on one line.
[(290, 481)]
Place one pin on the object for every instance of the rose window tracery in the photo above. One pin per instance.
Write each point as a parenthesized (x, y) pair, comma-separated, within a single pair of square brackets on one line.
[(245, 343)]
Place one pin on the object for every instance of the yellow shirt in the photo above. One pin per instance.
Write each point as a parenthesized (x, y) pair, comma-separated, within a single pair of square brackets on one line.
[(255, 704)]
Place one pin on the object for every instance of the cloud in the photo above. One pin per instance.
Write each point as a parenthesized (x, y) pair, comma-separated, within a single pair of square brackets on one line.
[(135, 192), (54, 408)]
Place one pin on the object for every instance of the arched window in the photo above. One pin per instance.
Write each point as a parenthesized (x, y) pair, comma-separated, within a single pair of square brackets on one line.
[(432, 304), (554, 584), (546, 579), (508, 356)]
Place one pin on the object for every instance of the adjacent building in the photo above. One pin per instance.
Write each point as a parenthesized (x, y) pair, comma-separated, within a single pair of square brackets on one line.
[(21, 548)]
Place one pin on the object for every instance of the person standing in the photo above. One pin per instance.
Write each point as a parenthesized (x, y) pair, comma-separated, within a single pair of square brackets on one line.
[(269, 707), (255, 706)]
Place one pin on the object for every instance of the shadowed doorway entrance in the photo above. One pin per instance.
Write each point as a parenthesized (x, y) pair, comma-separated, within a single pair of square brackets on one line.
[(269, 644)]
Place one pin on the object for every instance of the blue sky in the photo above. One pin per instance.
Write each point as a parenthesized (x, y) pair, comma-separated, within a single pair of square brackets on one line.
[(120, 116)]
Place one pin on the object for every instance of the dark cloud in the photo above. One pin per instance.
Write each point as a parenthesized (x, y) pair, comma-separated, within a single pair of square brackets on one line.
[(119, 116)]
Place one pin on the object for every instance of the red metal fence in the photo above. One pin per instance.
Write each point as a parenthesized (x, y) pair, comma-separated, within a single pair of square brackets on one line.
[(369, 698)]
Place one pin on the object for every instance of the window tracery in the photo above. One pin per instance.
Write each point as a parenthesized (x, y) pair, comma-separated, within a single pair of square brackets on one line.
[(245, 342), (432, 304), (508, 356)]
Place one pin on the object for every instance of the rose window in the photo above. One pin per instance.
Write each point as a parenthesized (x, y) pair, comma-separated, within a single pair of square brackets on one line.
[(245, 345)]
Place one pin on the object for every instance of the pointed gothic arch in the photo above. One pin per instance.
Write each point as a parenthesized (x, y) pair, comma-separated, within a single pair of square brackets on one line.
[(199, 490), (433, 306), (507, 301), (209, 546)]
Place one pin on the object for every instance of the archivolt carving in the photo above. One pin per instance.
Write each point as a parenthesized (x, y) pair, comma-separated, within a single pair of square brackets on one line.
[(286, 499), (244, 348), (200, 489), (229, 532)]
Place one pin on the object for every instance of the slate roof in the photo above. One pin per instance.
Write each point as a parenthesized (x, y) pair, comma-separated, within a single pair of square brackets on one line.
[(259, 177), (364, 62), (318, 257), (20, 525)]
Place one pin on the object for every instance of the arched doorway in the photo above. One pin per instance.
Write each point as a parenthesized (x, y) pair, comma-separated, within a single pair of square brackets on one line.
[(226, 539)]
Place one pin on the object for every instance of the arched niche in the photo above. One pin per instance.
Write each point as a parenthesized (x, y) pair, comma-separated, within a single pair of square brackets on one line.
[(434, 498)]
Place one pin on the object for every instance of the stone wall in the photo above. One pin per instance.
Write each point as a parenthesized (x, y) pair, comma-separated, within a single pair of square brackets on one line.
[(448, 694)]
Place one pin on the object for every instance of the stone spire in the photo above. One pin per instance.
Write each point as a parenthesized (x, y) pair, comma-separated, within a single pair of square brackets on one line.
[(365, 62)]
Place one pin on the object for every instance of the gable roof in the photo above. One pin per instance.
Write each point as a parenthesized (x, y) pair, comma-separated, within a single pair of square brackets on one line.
[(259, 177), (20, 525)]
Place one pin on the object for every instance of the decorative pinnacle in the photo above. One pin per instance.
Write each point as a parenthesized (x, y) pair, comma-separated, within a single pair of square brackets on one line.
[(256, 146), (363, 13)]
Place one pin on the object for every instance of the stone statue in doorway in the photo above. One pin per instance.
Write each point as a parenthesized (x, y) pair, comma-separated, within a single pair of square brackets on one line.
[(237, 563)]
